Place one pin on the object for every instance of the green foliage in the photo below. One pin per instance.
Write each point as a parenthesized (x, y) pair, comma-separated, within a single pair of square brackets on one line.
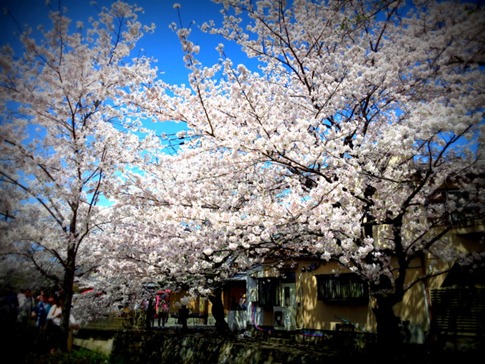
[(76, 356)]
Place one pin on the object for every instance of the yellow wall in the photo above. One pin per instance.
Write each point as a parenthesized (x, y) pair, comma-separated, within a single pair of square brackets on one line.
[(318, 315), (312, 313), (415, 304)]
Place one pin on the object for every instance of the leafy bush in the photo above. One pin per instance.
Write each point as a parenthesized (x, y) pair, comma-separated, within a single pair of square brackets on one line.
[(77, 356)]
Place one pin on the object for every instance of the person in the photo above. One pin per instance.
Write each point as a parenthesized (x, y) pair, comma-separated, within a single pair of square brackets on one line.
[(242, 302), (54, 325), (162, 312), (41, 309), (8, 319), (26, 304), (150, 314), (183, 316)]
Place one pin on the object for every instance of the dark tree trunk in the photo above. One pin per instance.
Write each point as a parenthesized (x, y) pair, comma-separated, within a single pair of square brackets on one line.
[(388, 325), (67, 294), (389, 338), (218, 313)]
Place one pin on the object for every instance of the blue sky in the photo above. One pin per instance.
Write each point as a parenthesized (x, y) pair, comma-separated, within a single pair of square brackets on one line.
[(163, 44)]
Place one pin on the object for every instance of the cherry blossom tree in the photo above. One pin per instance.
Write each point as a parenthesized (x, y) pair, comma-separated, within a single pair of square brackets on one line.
[(334, 147), (69, 129)]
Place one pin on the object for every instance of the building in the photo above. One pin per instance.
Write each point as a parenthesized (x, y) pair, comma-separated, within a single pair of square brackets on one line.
[(312, 298)]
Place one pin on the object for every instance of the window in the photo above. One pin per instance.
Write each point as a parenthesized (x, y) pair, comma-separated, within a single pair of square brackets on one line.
[(268, 292), (345, 287)]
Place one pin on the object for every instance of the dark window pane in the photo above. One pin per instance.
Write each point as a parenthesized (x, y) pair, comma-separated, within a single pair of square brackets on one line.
[(268, 292), (346, 287)]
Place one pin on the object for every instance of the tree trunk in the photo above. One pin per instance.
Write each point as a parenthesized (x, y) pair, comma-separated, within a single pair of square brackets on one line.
[(67, 295), (221, 325), (388, 328)]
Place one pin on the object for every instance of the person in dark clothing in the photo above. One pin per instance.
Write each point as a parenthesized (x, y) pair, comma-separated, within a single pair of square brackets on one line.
[(150, 318), (183, 316), (163, 313), (9, 308)]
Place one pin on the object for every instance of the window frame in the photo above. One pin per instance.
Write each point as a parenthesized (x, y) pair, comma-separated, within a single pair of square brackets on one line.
[(346, 288), (268, 292)]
